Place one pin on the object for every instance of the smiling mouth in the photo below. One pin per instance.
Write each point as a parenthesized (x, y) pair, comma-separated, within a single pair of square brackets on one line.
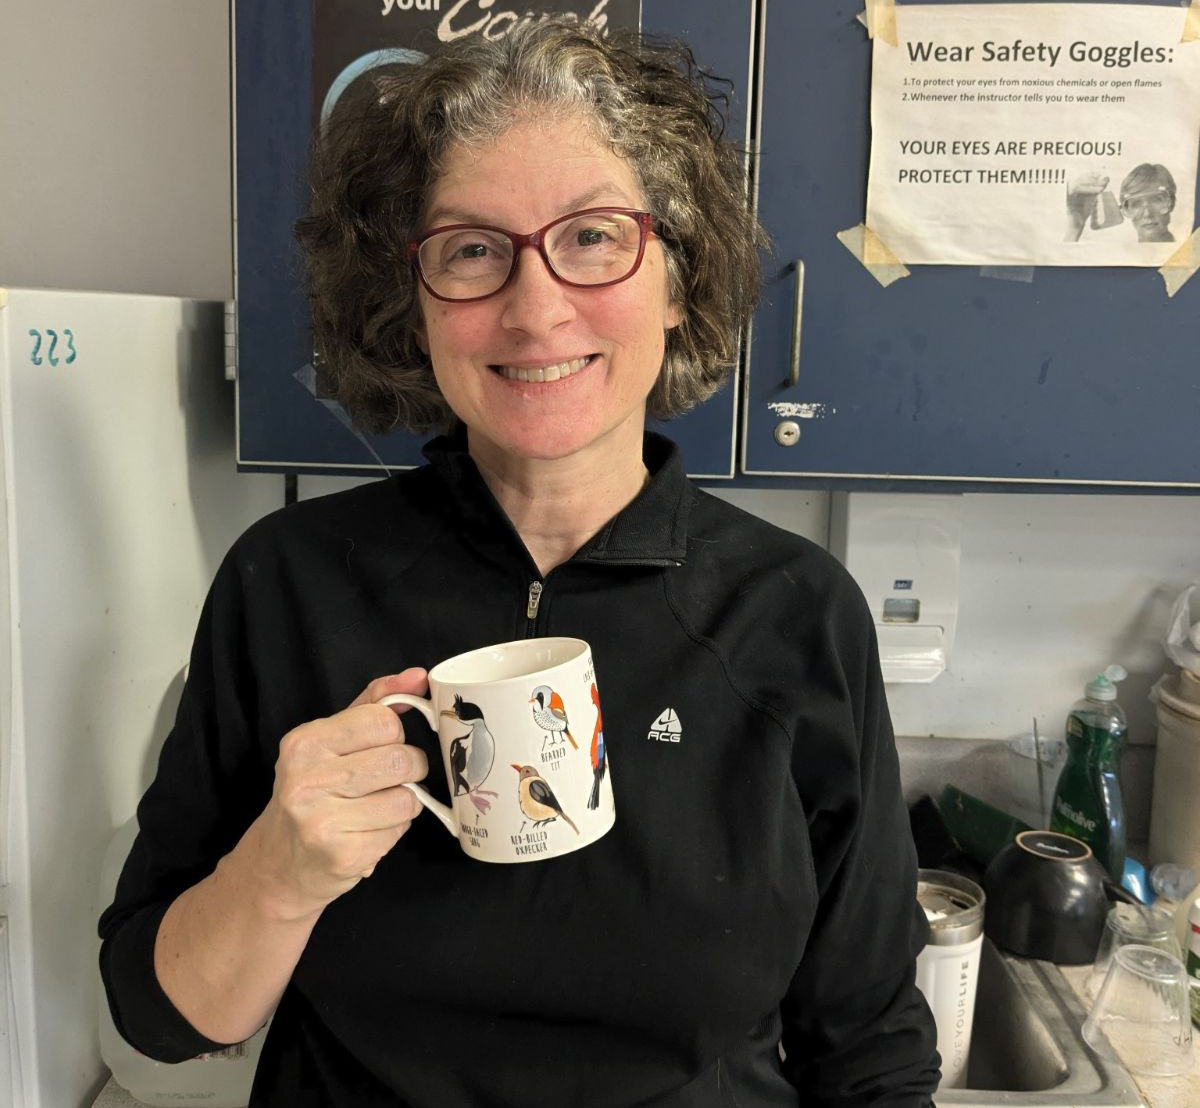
[(539, 374)]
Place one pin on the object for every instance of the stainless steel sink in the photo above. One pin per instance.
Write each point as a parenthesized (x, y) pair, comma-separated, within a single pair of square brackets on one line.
[(1026, 1046)]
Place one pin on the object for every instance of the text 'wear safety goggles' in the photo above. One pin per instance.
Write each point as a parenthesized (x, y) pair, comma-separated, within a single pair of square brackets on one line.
[(585, 249)]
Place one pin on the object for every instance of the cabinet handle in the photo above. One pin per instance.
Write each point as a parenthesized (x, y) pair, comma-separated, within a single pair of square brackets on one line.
[(797, 325)]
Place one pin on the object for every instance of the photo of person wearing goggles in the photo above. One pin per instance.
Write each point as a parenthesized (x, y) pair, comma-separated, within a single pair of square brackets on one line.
[(1147, 199)]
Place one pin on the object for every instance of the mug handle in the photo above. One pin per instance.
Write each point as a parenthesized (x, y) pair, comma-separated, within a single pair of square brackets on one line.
[(443, 811)]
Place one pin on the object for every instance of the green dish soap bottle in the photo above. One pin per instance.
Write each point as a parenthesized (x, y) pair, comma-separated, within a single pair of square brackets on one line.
[(1087, 799)]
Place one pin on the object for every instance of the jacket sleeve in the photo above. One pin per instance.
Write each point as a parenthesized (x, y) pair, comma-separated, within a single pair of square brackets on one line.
[(209, 786), (856, 1031)]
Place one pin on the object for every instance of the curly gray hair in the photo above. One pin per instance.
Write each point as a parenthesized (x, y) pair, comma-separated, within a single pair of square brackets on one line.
[(383, 148)]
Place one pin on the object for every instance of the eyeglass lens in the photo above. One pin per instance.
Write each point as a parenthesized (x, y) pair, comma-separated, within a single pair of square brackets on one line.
[(592, 249), (1154, 202)]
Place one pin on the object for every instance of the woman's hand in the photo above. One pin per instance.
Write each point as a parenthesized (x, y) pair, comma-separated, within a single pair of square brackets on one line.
[(1082, 194), (339, 802)]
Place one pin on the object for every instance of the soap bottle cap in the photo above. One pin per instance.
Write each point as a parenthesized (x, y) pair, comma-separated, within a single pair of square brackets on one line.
[(1103, 685)]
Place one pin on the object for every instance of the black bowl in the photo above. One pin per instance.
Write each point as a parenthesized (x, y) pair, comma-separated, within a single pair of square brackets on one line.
[(1047, 898)]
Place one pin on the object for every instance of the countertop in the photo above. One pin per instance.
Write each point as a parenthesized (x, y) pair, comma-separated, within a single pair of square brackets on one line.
[(1158, 1092)]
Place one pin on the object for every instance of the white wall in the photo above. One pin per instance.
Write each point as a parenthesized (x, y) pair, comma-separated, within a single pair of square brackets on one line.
[(1053, 589), (114, 146)]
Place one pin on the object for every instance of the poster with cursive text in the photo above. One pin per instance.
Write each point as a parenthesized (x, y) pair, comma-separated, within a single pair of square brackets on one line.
[(353, 36)]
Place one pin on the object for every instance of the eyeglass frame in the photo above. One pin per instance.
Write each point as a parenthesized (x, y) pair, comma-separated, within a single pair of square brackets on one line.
[(536, 239), (1143, 200)]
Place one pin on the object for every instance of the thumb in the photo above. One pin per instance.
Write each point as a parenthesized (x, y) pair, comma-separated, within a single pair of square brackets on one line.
[(414, 680)]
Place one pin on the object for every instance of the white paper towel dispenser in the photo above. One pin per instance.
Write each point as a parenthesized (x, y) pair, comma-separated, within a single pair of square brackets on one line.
[(903, 550)]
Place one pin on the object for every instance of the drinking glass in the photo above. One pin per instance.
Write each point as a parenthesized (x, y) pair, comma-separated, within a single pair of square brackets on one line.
[(1140, 1018), (1131, 923)]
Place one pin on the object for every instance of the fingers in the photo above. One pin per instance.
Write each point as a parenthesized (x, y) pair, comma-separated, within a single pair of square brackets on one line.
[(364, 724), (387, 810), (413, 680), (364, 772), (361, 728), (338, 804), (1089, 183)]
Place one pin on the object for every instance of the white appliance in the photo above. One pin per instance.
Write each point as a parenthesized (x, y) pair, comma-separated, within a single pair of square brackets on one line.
[(903, 550), (120, 497)]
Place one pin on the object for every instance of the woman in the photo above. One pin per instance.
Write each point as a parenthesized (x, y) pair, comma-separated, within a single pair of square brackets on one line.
[(1147, 199), (536, 241)]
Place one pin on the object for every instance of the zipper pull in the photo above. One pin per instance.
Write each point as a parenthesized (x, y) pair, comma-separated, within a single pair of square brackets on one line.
[(535, 596)]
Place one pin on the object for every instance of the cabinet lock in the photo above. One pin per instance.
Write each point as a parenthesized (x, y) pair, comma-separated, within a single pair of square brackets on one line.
[(787, 433)]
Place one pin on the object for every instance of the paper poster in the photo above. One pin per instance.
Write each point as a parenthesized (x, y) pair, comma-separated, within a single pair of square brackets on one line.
[(352, 36), (1035, 134)]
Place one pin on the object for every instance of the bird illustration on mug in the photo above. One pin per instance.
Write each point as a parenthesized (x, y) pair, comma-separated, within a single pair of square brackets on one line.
[(599, 753), (537, 799), (472, 754), (550, 714)]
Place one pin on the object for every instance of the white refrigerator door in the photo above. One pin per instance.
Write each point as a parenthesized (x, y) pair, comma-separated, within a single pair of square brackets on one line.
[(120, 499)]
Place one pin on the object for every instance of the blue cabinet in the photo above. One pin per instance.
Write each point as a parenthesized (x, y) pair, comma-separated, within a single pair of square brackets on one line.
[(947, 379), (282, 425), (1080, 378)]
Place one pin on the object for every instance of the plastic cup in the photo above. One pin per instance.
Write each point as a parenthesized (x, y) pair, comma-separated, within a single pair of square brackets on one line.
[(1140, 1018), (1127, 924)]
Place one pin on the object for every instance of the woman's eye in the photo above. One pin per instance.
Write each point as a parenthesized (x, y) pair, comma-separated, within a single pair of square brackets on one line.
[(591, 236), (468, 250)]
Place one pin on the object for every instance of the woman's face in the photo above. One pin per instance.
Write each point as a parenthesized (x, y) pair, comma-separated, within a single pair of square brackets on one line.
[(1150, 214), (612, 338)]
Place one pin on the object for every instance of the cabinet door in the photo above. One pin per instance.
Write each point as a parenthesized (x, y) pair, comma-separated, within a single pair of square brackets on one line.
[(282, 425), (948, 377), (721, 33)]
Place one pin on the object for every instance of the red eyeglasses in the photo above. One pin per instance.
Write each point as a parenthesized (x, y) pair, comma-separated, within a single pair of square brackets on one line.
[(586, 249)]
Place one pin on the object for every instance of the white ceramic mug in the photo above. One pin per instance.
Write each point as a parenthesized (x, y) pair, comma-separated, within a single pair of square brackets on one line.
[(522, 740)]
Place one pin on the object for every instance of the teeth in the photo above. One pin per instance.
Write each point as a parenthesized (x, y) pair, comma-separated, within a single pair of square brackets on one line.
[(545, 373)]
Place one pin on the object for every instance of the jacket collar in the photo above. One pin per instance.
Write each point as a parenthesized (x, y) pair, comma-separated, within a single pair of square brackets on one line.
[(650, 531)]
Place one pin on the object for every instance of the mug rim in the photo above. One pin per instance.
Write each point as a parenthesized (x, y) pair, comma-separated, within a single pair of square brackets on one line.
[(581, 649), (1081, 851)]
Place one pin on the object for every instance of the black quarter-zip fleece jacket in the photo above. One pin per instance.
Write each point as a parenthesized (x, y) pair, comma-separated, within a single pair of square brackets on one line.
[(758, 887)]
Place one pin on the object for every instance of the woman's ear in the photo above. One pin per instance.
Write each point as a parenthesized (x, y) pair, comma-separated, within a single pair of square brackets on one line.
[(422, 340), (674, 316)]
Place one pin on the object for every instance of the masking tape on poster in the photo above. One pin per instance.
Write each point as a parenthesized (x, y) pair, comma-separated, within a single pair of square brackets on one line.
[(872, 251), (1191, 25), (1022, 273), (1181, 266), (880, 20)]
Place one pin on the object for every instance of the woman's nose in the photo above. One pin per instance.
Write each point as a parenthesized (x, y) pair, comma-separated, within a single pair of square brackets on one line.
[(535, 301)]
